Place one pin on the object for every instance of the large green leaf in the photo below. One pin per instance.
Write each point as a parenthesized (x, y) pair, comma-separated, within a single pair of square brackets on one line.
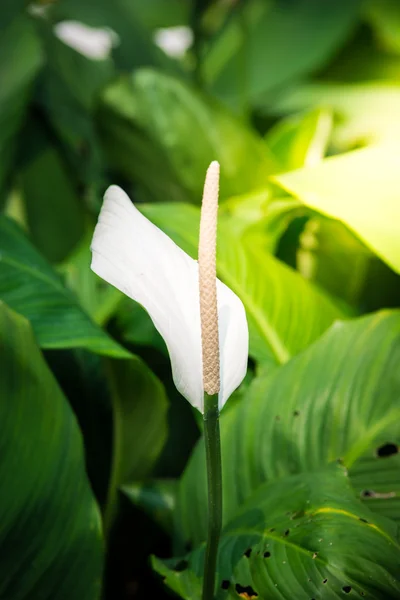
[(50, 538), (301, 537), (285, 312), (360, 189), (338, 400), (149, 122), (271, 43), (30, 286), (140, 423), (20, 59)]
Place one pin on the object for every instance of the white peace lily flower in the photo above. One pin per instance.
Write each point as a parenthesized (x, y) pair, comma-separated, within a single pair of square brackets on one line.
[(94, 43), (136, 257)]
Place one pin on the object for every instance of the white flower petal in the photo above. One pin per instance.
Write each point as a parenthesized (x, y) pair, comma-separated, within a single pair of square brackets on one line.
[(174, 41), (233, 341), (94, 43), (136, 257)]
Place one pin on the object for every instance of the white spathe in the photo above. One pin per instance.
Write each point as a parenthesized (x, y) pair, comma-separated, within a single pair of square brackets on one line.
[(140, 260), (94, 43)]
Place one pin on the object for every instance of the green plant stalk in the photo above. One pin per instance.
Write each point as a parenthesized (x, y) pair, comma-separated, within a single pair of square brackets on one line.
[(214, 485)]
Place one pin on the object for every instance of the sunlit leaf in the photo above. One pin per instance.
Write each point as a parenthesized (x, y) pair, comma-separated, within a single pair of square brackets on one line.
[(360, 189)]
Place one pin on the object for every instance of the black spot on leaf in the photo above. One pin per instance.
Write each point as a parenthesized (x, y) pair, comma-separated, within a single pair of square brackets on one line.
[(325, 581), (346, 589), (267, 554), (248, 553), (363, 520), (387, 450), (225, 584), (297, 514), (181, 566), (245, 591), (286, 533)]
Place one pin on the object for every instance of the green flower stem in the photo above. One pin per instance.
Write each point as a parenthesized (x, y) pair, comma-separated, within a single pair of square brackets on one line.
[(214, 483)]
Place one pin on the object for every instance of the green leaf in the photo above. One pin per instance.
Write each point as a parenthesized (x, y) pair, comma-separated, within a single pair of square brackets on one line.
[(140, 410), (50, 538), (136, 327), (384, 16), (339, 399), (269, 44), (330, 255), (55, 215), (140, 425), (301, 141), (360, 189), (149, 122), (376, 480), (31, 287), (20, 60), (97, 298), (302, 537), (10, 9), (285, 313), (367, 112)]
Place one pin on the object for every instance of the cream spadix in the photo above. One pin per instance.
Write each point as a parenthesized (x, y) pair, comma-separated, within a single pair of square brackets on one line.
[(136, 257)]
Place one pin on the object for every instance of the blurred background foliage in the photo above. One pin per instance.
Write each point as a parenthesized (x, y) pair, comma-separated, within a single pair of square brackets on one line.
[(299, 101)]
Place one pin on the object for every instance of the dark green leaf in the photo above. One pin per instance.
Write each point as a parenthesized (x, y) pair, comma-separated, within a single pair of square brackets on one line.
[(270, 44), (10, 9), (30, 286), (338, 400), (54, 213), (20, 59), (99, 299), (50, 539), (140, 424), (302, 537), (384, 16)]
